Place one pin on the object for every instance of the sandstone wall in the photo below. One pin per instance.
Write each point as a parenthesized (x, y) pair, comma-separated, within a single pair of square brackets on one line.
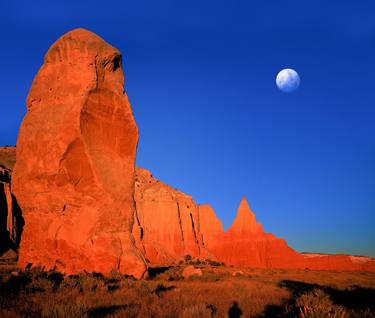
[(166, 225)]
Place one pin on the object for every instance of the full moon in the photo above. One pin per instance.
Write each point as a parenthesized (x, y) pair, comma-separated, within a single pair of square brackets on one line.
[(287, 80)]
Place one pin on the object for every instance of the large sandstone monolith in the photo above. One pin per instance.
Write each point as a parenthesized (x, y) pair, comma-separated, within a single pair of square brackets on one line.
[(166, 225), (73, 178)]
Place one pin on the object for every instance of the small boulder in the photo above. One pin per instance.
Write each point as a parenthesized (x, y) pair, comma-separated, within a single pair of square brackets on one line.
[(190, 271), (238, 273)]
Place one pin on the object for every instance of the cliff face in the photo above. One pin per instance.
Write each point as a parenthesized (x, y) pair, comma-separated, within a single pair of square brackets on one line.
[(166, 223), (73, 177)]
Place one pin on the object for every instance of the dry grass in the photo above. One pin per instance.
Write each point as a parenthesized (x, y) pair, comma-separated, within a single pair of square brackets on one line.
[(257, 293)]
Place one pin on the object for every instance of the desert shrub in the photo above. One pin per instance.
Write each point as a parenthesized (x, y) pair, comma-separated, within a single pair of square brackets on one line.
[(172, 273), (88, 283), (143, 289), (174, 276), (128, 311), (64, 310), (35, 280), (317, 304), (214, 263), (213, 277), (116, 275), (55, 277), (187, 258), (198, 310), (14, 284), (367, 313), (39, 284)]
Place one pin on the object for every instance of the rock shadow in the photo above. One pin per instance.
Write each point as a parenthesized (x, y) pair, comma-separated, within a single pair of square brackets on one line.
[(155, 271), (235, 311), (354, 297), (5, 242), (10, 240), (104, 311), (161, 289), (19, 221)]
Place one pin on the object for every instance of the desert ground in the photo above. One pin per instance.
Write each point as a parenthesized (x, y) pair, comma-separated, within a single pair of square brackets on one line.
[(221, 291)]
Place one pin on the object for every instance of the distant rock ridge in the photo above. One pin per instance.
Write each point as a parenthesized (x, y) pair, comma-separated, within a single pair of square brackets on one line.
[(245, 244)]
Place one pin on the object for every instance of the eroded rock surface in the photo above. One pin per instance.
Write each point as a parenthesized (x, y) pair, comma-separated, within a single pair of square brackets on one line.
[(166, 225), (246, 244), (73, 178)]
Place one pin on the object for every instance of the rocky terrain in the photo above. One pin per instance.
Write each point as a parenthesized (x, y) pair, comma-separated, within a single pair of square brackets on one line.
[(74, 200)]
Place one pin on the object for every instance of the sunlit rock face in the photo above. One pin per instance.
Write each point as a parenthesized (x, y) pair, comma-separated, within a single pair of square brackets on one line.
[(166, 225), (73, 178), (246, 244)]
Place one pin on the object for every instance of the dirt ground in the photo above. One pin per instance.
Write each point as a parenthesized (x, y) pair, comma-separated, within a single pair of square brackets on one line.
[(220, 292)]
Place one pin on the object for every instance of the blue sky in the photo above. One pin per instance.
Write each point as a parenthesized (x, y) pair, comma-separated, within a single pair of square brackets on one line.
[(201, 79)]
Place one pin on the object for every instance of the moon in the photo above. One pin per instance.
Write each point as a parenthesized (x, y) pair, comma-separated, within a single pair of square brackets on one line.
[(287, 80)]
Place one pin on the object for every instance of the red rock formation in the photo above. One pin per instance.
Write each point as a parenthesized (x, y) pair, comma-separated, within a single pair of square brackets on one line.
[(166, 225), (7, 220), (75, 162), (338, 262), (246, 244), (245, 224), (211, 227)]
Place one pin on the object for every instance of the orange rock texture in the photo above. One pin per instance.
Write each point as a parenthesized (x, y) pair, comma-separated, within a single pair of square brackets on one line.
[(246, 244), (73, 177), (166, 225)]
